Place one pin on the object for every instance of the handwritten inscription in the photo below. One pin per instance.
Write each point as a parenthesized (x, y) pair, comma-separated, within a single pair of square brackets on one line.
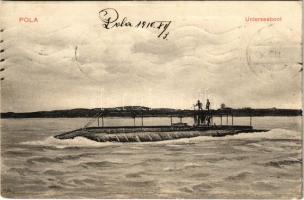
[(110, 19)]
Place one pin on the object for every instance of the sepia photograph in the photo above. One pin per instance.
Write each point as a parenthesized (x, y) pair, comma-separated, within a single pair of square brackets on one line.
[(151, 99)]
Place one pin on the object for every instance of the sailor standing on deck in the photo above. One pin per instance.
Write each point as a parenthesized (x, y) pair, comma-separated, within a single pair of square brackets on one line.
[(199, 105), (209, 117), (198, 119), (208, 104)]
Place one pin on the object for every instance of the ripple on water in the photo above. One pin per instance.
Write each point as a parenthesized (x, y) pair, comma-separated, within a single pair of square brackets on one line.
[(59, 159), (264, 186), (190, 165), (202, 187), (52, 172), (134, 175), (148, 162), (102, 164), (17, 153), (146, 183), (199, 175), (44, 160), (239, 177), (282, 163), (22, 171)]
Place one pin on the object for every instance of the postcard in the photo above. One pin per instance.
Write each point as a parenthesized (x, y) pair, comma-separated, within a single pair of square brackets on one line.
[(151, 99)]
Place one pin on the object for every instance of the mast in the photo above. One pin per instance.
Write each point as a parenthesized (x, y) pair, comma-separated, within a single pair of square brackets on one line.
[(101, 109)]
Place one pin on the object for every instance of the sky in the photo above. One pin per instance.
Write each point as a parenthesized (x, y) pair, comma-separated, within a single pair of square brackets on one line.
[(69, 60)]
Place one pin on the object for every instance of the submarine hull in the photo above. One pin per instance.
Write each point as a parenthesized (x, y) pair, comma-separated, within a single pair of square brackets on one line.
[(153, 133)]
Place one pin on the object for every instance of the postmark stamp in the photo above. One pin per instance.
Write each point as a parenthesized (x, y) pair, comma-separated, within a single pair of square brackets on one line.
[(269, 52)]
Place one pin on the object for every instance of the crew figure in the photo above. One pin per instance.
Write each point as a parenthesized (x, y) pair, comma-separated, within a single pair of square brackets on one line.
[(199, 105), (208, 104), (208, 119), (197, 117)]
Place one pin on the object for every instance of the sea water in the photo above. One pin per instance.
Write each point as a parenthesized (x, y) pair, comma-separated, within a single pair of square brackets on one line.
[(248, 165)]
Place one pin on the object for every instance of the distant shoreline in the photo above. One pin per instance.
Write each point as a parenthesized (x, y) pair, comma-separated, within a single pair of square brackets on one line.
[(137, 111)]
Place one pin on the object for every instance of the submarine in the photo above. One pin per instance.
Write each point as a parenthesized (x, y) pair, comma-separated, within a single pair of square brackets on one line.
[(203, 126)]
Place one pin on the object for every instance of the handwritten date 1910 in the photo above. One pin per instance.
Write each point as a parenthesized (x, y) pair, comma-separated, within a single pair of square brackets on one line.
[(110, 19)]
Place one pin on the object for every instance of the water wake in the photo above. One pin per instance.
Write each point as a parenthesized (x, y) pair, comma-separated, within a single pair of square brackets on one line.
[(67, 143), (272, 134)]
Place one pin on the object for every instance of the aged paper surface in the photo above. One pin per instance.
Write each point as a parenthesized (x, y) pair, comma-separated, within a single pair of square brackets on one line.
[(151, 99)]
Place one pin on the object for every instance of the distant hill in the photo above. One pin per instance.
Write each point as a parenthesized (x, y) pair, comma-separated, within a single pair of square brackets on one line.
[(138, 111)]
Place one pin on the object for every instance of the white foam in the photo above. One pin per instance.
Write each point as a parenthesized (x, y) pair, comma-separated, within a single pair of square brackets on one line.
[(76, 142), (272, 134), (191, 164)]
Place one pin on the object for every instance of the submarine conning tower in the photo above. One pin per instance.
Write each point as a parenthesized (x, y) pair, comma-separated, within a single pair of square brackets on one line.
[(202, 117), (205, 117)]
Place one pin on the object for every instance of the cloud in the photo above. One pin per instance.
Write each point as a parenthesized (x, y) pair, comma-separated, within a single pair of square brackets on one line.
[(66, 64)]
